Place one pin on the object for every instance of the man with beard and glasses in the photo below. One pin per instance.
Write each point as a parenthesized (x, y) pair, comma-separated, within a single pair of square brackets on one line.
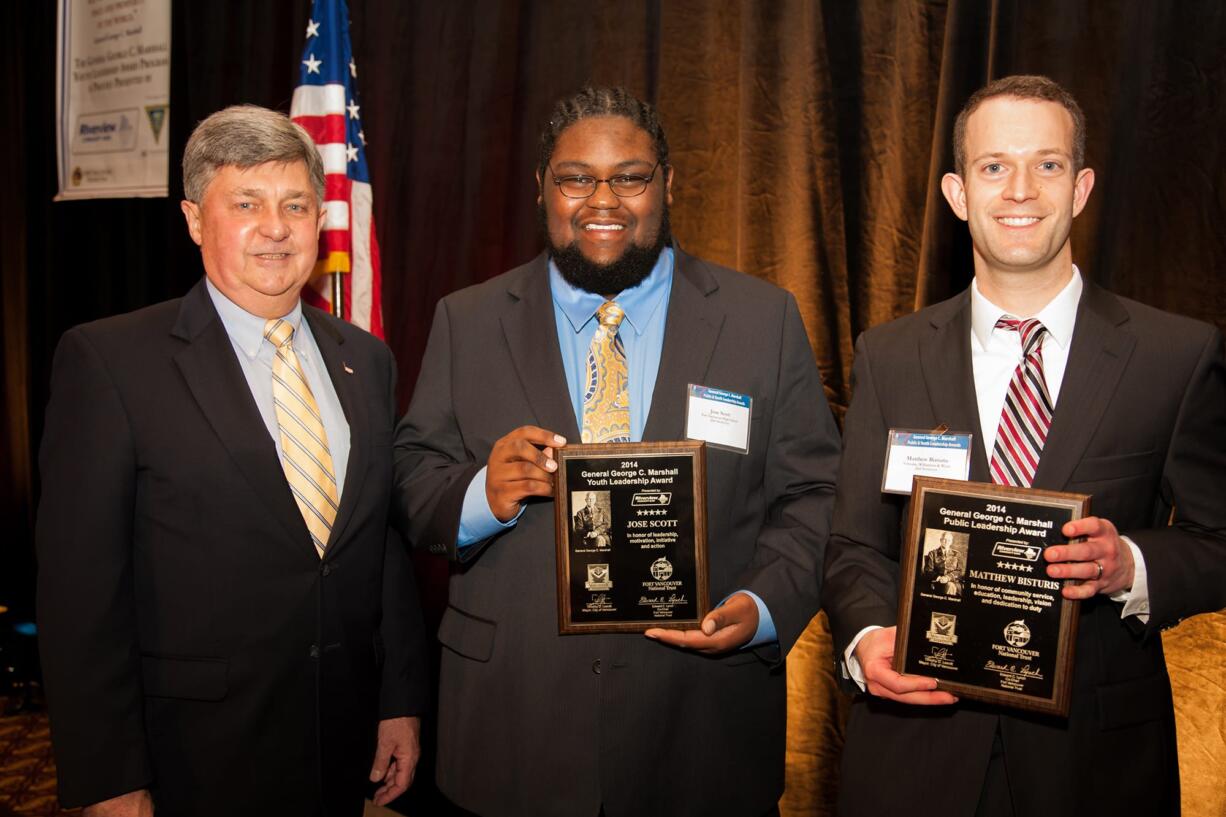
[(597, 339)]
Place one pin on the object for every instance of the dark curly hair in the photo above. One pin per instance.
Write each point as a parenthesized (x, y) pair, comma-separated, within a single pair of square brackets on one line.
[(591, 101)]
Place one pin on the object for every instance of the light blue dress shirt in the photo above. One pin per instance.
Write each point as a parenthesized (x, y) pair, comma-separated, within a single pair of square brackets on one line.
[(642, 335), (255, 356)]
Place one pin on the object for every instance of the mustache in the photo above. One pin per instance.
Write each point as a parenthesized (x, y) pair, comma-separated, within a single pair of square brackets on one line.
[(625, 272)]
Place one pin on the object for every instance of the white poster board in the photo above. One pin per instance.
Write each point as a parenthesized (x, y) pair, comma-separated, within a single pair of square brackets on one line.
[(112, 98)]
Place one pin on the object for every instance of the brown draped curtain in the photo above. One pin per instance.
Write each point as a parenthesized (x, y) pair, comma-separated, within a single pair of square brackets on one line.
[(808, 139)]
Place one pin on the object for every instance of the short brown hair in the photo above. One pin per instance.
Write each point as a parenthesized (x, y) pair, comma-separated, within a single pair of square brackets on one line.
[(244, 136), (1022, 86)]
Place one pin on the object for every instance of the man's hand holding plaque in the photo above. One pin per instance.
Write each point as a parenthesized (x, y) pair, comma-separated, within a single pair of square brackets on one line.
[(724, 629), (1101, 563), (521, 465), (875, 654)]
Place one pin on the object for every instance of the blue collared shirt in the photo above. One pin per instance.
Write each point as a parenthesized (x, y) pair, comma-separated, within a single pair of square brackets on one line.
[(642, 335), (255, 356)]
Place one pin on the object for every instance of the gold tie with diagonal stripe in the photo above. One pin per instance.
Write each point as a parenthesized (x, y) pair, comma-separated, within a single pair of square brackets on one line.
[(304, 443), (606, 394)]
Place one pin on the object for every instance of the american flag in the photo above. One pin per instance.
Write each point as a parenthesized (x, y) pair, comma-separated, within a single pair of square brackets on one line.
[(326, 105)]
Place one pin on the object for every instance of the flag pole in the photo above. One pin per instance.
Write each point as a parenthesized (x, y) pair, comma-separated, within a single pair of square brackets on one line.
[(338, 295)]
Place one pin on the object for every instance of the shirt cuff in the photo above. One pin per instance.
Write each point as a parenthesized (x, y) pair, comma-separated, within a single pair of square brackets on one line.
[(851, 666), (477, 521), (1136, 599), (765, 633)]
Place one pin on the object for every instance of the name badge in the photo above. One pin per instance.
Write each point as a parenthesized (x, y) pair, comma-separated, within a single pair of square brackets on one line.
[(718, 417), (924, 454)]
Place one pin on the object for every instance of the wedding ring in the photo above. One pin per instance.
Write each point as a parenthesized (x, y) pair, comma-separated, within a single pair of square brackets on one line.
[(1099, 565)]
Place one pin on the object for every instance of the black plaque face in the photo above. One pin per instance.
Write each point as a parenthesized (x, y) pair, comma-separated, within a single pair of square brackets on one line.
[(631, 537), (977, 610)]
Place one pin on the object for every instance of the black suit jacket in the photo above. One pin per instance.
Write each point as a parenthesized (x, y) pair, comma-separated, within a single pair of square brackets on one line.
[(193, 642), (1141, 425), (532, 723)]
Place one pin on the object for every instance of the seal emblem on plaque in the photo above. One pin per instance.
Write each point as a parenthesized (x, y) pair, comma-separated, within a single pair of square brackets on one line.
[(661, 569), (941, 628), (1017, 634), (598, 577)]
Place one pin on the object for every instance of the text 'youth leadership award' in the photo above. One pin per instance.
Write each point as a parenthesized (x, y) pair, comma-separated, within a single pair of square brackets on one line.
[(977, 610), (631, 530)]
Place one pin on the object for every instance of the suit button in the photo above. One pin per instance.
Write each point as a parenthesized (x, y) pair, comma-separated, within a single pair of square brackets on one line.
[(596, 666), (314, 651), (327, 570)]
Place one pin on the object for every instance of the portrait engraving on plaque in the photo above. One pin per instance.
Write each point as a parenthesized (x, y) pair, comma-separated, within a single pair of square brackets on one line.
[(944, 562), (592, 523)]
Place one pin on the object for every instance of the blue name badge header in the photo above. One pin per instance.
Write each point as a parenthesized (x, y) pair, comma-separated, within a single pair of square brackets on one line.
[(911, 454), (719, 417)]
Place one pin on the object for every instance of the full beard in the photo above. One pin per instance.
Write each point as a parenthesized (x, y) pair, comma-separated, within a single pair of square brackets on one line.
[(625, 272)]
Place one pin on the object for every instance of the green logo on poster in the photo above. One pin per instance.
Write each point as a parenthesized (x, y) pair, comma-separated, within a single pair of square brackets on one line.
[(157, 117)]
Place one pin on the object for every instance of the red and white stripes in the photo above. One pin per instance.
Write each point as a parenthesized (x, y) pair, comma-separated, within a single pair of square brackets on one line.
[(1026, 416)]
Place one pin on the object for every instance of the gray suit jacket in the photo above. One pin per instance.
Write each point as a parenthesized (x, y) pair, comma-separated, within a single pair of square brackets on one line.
[(1141, 425), (534, 723)]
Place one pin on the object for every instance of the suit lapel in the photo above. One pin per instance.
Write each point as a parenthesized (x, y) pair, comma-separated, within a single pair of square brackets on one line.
[(1099, 353), (529, 326), (694, 322), (348, 386), (216, 380), (945, 357)]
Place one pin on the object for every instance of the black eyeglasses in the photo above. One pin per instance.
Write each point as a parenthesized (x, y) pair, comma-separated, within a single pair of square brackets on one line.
[(623, 185)]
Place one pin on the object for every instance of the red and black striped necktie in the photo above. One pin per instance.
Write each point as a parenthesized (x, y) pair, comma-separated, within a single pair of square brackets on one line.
[(1026, 417)]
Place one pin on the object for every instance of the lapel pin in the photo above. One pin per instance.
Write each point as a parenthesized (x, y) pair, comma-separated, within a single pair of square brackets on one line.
[(347, 369)]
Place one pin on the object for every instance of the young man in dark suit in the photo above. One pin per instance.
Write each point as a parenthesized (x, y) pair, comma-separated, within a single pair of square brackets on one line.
[(227, 625), (1120, 401), (681, 722)]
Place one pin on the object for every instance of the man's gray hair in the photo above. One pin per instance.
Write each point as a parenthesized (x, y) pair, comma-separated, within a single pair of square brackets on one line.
[(244, 136)]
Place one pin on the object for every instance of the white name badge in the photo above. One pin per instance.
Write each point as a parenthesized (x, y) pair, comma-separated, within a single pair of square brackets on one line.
[(718, 417), (924, 454)]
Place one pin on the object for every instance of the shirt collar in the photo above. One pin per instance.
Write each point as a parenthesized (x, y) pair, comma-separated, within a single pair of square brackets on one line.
[(1058, 317), (246, 331), (639, 303)]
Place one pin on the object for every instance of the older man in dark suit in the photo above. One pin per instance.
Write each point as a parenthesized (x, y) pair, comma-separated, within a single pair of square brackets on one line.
[(1065, 387), (597, 339), (227, 626)]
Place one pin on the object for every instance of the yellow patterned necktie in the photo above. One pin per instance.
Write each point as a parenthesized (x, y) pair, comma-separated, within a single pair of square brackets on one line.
[(304, 443), (606, 398)]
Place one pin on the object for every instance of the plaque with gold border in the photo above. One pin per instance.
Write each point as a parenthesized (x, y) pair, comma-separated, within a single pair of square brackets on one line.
[(977, 610), (631, 537)]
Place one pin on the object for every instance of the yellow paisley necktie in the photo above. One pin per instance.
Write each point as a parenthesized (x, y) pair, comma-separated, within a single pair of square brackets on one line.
[(606, 399)]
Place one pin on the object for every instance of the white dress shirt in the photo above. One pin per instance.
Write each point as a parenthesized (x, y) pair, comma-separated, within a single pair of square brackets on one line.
[(995, 354)]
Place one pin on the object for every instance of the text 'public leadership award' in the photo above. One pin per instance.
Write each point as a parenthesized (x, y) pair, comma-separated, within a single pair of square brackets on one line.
[(977, 610), (631, 536)]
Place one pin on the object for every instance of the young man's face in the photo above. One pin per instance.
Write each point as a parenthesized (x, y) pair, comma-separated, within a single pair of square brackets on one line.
[(604, 229), (1020, 193)]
